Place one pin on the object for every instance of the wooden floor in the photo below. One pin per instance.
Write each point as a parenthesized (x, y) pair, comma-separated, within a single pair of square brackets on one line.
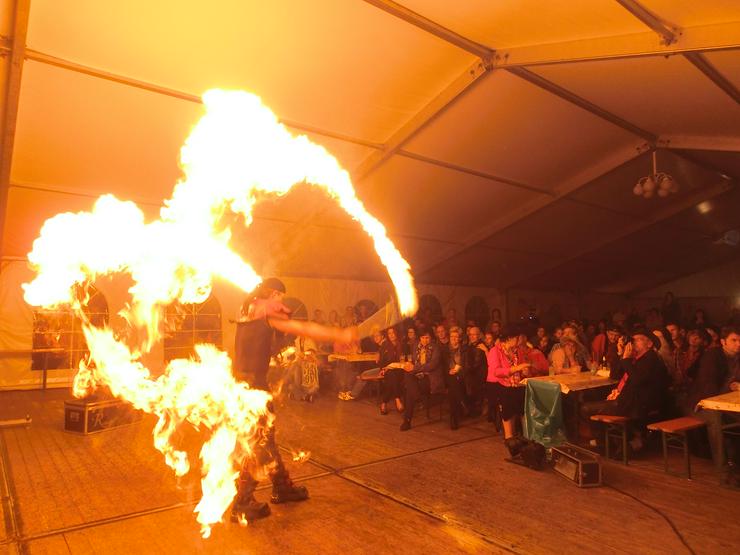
[(373, 490)]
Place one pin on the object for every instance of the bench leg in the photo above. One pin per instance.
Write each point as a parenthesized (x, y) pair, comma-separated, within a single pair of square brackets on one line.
[(624, 445), (686, 455), (606, 441), (665, 450)]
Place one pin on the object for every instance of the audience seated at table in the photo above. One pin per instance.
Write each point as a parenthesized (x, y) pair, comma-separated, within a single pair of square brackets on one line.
[(718, 372), (642, 390), (527, 353), (569, 356), (372, 344), (604, 347)]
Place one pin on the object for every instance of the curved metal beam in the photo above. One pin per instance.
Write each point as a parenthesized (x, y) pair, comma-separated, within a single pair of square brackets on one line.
[(21, 12)]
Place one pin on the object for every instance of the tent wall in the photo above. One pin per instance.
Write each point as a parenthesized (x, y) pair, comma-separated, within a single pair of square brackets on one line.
[(553, 307), (720, 282), (16, 317)]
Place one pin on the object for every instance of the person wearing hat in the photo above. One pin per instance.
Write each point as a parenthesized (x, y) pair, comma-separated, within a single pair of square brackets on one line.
[(642, 388), (569, 356), (263, 315)]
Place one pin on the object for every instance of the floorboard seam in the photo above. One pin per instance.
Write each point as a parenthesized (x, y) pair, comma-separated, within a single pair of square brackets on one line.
[(129, 516), (340, 473), (431, 514)]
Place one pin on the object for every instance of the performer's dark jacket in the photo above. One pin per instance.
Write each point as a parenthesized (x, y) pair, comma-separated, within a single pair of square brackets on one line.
[(646, 388)]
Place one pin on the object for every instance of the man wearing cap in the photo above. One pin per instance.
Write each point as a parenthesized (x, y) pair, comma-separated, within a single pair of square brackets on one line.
[(264, 314), (643, 383), (569, 356), (423, 374)]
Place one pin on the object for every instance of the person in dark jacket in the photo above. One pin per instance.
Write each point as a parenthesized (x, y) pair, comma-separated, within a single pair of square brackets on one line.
[(643, 385), (718, 372), (423, 374), (715, 367), (454, 372), (475, 370)]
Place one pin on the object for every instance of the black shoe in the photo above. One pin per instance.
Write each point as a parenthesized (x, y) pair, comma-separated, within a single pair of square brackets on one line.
[(288, 492), (249, 511), (406, 425)]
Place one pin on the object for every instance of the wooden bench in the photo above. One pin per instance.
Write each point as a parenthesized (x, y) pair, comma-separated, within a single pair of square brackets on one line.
[(615, 427), (675, 430)]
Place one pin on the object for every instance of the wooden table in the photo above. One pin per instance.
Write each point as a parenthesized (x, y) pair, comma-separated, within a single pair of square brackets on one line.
[(576, 383), (355, 357), (727, 402)]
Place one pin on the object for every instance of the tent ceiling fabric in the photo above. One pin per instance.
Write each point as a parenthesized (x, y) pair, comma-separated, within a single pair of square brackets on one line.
[(507, 185)]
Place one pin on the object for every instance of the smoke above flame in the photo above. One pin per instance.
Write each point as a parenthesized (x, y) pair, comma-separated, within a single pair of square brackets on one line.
[(237, 155)]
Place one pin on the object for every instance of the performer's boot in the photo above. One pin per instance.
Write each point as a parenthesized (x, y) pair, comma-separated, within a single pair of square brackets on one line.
[(246, 507), (284, 490)]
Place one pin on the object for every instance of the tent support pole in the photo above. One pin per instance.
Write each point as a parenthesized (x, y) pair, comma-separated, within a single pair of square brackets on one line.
[(21, 12)]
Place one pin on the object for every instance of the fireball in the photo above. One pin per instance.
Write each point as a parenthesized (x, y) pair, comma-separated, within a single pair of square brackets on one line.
[(237, 155)]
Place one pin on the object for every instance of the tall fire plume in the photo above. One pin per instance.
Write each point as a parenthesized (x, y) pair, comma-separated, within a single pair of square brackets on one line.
[(236, 155)]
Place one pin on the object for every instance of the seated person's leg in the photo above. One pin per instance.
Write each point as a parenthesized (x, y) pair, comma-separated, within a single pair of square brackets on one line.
[(411, 384)]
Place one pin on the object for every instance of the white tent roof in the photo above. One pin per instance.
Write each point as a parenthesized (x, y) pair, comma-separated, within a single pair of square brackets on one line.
[(498, 141)]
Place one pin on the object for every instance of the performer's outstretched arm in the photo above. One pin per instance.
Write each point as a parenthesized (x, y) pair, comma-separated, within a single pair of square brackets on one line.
[(323, 334)]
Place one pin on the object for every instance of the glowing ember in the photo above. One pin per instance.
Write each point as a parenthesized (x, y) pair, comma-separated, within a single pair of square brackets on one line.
[(301, 456), (236, 155)]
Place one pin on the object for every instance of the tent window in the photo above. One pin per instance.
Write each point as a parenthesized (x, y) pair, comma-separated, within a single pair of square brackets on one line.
[(477, 311), (58, 341), (189, 324)]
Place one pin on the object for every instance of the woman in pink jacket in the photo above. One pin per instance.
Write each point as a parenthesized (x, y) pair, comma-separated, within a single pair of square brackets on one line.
[(504, 375)]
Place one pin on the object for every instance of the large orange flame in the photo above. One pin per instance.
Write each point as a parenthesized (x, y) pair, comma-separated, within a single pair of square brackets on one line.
[(236, 155)]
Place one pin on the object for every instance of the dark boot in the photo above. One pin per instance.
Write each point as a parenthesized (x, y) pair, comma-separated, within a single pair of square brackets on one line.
[(246, 507), (284, 490), (249, 510)]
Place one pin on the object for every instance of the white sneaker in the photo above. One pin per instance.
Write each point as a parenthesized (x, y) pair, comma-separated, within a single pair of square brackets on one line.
[(342, 395)]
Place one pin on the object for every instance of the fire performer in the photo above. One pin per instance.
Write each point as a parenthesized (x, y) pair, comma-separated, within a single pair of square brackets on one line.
[(264, 315)]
